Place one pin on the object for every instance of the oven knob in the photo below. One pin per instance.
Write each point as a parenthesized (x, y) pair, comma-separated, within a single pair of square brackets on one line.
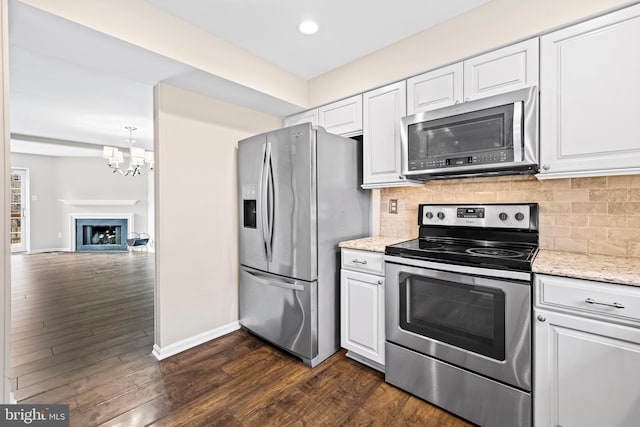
[(429, 215), (503, 216), (440, 215), (519, 216)]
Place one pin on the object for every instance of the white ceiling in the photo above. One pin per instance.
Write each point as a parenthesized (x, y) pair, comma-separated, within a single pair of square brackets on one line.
[(349, 29), (71, 83)]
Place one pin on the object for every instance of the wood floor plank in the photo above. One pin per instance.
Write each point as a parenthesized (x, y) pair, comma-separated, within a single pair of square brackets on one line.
[(31, 390), (84, 333)]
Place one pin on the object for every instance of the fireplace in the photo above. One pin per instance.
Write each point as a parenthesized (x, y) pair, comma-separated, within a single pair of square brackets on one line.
[(101, 234)]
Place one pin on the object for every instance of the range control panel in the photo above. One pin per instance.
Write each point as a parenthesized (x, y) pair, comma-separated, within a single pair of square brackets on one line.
[(520, 216)]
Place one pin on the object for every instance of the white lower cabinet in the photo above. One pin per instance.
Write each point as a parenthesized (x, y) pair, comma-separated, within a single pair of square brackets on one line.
[(586, 354), (362, 307)]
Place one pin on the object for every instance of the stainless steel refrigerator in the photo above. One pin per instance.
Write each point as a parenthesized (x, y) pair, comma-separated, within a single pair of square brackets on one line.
[(299, 196)]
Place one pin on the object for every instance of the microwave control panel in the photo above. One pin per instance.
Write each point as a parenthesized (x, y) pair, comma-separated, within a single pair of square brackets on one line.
[(490, 157)]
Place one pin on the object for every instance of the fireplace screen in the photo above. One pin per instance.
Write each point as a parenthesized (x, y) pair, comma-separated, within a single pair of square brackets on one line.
[(101, 234)]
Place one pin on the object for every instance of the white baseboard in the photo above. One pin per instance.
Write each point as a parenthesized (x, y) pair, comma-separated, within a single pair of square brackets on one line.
[(187, 343)]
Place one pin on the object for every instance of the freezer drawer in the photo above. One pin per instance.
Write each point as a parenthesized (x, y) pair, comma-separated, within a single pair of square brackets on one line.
[(280, 310)]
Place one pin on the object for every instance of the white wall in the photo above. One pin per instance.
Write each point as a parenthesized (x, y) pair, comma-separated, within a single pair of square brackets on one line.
[(144, 25), (196, 211), (496, 23), (5, 264), (76, 178)]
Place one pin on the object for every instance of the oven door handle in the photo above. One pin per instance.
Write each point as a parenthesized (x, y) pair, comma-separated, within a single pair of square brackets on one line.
[(455, 268)]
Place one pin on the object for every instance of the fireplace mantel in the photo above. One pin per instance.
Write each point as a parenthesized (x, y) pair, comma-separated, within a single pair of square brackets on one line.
[(89, 202)]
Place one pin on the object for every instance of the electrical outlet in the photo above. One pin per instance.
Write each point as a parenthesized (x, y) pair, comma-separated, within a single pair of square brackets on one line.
[(393, 206)]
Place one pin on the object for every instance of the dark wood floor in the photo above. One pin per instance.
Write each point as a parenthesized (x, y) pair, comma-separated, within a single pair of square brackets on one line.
[(83, 334)]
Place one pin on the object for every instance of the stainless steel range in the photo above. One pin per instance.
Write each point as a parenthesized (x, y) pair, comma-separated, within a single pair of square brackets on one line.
[(458, 311)]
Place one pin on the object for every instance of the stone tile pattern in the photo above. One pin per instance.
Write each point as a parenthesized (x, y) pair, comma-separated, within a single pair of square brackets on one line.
[(595, 215)]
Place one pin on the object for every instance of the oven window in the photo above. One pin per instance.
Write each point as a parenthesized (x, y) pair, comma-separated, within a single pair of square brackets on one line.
[(469, 317)]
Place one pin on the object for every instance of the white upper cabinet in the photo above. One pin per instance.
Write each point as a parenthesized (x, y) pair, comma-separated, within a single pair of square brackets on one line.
[(502, 70), (435, 89), (383, 109), (342, 117), (590, 86), (510, 68), (310, 116)]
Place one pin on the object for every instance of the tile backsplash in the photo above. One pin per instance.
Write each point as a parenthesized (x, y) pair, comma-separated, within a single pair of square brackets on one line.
[(596, 215)]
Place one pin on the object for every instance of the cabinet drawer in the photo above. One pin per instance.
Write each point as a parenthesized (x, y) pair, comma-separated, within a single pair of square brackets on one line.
[(368, 262), (585, 296)]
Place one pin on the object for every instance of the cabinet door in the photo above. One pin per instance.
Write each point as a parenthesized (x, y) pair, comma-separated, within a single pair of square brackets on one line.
[(383, 109), (589, 97), (362, 314), (342, 117), (585, 372), (435, 89), (310, 116), (501, 70)]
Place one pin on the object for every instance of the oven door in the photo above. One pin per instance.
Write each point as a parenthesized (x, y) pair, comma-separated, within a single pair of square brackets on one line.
[(476, 323)]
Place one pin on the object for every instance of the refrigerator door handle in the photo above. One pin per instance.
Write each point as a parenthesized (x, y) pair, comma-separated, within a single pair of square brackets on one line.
[(269, 203), (272, 281), (263, 200)]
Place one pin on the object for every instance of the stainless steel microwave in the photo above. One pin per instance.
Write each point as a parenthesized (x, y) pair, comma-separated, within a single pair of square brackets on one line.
[(496, 135)]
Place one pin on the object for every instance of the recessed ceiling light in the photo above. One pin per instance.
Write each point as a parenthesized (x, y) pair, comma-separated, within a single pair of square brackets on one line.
[(308, 27)]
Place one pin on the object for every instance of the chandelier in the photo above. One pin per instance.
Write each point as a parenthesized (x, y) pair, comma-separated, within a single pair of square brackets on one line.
[(138, 157)]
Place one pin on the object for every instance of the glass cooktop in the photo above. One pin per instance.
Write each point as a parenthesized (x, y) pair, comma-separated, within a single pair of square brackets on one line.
[(480, 253)]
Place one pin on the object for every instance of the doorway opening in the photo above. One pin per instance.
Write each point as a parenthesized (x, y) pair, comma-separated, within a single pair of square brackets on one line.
[(19, 195)]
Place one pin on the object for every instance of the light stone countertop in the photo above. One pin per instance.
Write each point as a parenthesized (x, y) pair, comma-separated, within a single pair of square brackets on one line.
[(603, 268), (373, 244)]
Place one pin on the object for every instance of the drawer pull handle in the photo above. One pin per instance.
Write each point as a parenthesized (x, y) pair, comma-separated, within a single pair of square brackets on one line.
[(613, 304), (357, 261)]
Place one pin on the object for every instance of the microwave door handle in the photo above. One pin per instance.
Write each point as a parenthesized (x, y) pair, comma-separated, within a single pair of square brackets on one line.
[(517, 131)]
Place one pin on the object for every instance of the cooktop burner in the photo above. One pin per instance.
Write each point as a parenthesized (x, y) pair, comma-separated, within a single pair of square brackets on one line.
[(494, 252), (429, 245)]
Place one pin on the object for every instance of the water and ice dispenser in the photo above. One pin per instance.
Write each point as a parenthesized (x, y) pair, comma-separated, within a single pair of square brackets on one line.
[(249, 206)]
